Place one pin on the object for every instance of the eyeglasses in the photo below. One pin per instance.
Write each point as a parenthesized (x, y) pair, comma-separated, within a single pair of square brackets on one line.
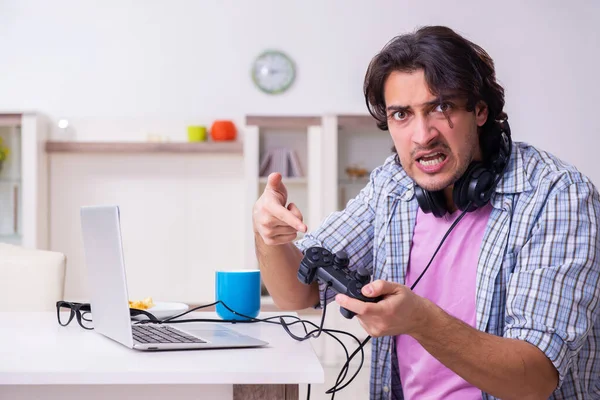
[(80, 310)]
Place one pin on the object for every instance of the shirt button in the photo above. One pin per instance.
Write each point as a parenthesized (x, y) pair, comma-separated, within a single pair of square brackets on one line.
[(386, 389), (408, 194)]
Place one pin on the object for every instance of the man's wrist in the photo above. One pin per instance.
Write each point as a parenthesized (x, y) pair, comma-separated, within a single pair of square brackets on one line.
[(427, 319)]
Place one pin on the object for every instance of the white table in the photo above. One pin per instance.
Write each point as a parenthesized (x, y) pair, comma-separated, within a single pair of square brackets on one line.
[(39, 359)]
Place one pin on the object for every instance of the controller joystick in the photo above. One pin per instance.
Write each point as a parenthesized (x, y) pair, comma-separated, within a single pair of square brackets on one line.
[(363, 275), (341, 259), (319, 263)]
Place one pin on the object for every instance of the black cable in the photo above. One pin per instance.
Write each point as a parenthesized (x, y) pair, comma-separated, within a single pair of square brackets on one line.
[(346, 365), (281, 321), (440, 245), (339, 384), (307, 336)]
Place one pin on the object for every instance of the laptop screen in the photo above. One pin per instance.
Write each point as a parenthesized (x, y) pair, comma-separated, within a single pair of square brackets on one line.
[(107, 283)]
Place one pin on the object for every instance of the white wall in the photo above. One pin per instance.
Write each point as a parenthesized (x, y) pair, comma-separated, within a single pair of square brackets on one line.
[(176, 232), (189, 61), (122, 69)]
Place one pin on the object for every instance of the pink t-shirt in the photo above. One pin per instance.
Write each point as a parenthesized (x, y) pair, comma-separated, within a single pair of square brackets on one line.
[(450, 283)]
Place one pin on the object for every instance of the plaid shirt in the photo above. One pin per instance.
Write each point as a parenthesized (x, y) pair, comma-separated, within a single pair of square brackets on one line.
[(538, 271)]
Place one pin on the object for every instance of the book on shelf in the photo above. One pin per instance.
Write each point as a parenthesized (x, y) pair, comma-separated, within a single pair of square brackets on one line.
[(282, 160), (9, 211)]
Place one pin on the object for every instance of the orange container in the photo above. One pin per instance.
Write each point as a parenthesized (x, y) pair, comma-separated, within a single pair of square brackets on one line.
[(223, 130)]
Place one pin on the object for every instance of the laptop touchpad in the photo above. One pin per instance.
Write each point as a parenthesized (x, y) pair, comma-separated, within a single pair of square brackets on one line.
[(212, 334)]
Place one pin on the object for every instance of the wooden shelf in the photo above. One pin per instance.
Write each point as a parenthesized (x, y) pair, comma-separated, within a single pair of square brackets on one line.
[(301, 180), (357, 122), (283, 122), (12, 119), (357, 181), (236, 147), (345, 121)]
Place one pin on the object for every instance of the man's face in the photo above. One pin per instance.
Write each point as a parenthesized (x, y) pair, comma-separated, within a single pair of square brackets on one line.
[(435, 141)]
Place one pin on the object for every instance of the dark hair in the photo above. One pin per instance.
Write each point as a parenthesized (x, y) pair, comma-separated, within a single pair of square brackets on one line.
[(451, 64)]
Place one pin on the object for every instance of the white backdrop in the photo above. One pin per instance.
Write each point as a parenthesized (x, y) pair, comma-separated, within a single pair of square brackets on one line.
[(119, 70), (189, 61)]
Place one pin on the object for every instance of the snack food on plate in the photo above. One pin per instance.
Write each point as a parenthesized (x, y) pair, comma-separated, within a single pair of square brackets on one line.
[(142, 304)]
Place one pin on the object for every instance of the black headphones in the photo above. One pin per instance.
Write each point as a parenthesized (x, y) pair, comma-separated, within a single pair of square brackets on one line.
[(474, 188)]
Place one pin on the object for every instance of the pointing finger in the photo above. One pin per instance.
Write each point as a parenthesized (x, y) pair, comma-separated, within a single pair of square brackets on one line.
[(288, 217), (296, 211)]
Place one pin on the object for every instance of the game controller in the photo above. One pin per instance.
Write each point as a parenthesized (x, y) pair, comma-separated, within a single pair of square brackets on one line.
[(332, 269)]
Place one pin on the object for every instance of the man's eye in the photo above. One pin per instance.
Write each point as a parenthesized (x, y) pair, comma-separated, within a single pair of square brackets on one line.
[(444, 107), (399, 115)]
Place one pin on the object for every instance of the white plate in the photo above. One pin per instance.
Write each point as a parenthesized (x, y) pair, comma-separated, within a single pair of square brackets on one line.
[(162, 310)]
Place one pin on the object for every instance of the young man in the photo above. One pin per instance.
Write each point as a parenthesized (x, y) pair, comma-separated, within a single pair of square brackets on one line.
[(508, 307)]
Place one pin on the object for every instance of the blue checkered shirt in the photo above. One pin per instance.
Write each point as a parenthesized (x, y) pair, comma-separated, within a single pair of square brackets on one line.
[(538, 270)]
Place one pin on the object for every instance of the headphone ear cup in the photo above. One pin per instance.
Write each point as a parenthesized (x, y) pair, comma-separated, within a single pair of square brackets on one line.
[(460, 190), (482, 187), (473, 187), (431, 202)]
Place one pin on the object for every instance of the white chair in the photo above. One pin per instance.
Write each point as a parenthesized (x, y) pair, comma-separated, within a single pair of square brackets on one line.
[(30, 280)]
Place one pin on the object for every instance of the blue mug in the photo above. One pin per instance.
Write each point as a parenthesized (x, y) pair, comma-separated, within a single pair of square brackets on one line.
[(240, 291)]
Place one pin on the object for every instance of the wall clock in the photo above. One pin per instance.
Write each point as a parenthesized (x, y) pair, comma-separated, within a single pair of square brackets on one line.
[(273, 72)]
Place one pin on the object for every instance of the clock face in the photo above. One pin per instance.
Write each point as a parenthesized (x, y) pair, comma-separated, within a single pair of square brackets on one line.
[(273, 72)]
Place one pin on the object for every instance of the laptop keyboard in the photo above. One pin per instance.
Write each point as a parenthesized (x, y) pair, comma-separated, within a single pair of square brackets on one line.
[(161, 334)]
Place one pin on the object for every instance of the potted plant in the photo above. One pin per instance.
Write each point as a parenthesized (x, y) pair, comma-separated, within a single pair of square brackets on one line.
[(4, 151)]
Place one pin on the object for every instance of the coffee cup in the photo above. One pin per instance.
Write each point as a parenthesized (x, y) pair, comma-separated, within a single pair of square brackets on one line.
[(238, 294)]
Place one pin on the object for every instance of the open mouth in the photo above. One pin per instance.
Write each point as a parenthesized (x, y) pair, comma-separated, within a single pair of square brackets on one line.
[(432, 159)]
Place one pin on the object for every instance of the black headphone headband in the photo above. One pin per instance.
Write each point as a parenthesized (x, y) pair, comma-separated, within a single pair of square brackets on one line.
[(475, 187)]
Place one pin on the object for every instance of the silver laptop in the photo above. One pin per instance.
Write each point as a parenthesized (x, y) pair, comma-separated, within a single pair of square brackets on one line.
[(109, 299)]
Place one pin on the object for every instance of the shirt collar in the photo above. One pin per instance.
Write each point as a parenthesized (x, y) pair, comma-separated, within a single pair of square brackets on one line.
[(514, 179)]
